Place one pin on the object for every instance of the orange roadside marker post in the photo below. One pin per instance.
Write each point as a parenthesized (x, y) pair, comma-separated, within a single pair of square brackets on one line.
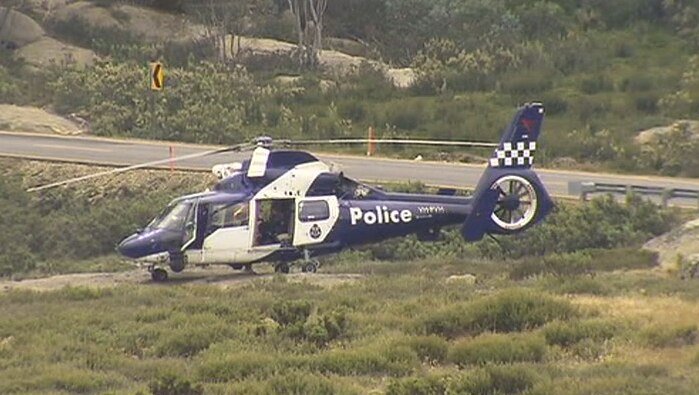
[(371, 145)]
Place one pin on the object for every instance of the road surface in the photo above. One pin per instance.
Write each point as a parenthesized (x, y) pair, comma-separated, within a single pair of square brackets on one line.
[(128, 152)]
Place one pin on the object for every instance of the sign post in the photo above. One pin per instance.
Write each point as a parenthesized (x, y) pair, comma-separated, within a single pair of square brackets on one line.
[(157, 83)]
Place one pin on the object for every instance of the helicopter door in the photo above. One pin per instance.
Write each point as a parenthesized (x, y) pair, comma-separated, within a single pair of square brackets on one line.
[(273, 222), (316, 218), (190, 227), (227, 233)]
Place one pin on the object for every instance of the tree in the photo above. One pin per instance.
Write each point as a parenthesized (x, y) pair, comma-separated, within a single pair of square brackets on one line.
[(308, 16)]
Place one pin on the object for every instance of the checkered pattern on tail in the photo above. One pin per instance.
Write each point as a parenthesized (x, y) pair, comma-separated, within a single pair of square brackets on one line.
[(514, 154)]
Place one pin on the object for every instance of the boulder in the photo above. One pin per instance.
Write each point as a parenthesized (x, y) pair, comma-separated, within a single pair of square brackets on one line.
[(48, 50), (17, 29)]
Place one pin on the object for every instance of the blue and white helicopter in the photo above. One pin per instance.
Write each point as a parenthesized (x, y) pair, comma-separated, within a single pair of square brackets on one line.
[(282, 206)]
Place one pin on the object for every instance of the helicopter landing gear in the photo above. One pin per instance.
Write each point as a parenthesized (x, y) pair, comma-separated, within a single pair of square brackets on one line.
[(158, 274), (282, 267), (309, 265)]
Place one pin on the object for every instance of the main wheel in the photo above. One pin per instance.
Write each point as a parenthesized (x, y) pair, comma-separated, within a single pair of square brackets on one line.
[(158, 275), (516, 204), (310, 266), (281, 268)]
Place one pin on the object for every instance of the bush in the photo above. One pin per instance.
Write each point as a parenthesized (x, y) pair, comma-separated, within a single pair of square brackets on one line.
[(566, 334), (303, 382), (430, 349), (559, 265), (497, 348), (418, 385), (577, 285), (173, 385), (586, 262), (391, 361), (660, 336), (508, 311), (504, 379), (287, 313), (218, 367), (596, 84)]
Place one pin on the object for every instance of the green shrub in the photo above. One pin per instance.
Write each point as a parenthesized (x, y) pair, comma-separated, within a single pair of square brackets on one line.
[(324, 328), (391, 361), (577, 285), (292, 312), (498, 348), (490, 380), (583, 262), (596, 84), (623, 258), (560, 265), (238, 366), (659, 336), (418, 385), (187, 341), (507, 311), (526, 82), (429, 349), (296, 382), (566, 334), (173, 385)]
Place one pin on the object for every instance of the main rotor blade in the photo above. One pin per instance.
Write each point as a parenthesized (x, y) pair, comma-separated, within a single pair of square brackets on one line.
[(390, 141), (138, 166)]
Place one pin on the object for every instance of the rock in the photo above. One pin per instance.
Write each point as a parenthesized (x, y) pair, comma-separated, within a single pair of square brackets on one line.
[(17, 29), (467, 279), (682, 241), (48, 50), (152, 25), (35, 120), (402, 78), (648, 136)]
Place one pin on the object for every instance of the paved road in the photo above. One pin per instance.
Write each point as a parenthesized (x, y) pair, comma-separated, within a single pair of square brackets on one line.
[(126, 152)]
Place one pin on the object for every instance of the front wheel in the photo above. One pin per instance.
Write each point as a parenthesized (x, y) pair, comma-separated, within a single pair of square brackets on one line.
[(158, 275)]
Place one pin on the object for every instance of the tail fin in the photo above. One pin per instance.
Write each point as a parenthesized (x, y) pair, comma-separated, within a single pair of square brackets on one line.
[(521, 199), (518, 143)]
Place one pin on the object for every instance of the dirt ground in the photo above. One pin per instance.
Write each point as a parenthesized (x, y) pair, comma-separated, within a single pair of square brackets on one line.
[(221, 276)]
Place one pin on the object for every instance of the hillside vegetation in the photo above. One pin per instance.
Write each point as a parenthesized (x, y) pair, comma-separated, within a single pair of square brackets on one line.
[(605, 71), (400, 330)]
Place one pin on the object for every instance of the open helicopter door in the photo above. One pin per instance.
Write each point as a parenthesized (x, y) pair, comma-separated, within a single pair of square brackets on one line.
[(273, 221), (315, 218)]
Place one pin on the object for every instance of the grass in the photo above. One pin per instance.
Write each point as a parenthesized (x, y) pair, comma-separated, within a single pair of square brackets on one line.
[(261, 337)]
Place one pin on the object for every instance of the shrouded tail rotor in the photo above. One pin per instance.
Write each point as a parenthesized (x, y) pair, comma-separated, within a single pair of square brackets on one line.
[(508, 185)]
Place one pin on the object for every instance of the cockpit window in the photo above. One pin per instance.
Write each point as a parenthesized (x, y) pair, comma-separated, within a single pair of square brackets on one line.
[(229, 215), (173, 217)]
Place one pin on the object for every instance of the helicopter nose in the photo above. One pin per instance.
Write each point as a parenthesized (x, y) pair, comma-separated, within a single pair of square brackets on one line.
[(134, 247)]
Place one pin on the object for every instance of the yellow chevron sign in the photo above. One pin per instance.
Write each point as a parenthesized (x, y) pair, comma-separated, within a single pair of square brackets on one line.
[(157, 76)]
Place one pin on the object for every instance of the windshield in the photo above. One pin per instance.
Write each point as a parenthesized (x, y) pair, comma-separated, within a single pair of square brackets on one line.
[(173, 217)]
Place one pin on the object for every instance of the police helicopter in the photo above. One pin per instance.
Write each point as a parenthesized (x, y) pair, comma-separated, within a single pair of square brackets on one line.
[(283, 206)]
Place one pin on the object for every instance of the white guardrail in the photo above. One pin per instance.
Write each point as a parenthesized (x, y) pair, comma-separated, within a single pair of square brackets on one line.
[(584, 189)]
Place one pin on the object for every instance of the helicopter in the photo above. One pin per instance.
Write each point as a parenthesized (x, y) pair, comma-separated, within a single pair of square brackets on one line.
[(283, 206)]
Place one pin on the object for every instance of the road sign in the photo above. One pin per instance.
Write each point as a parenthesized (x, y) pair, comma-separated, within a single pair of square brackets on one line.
[(157, 76)]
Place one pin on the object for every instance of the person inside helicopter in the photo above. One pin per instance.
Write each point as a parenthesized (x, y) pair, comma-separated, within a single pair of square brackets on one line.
[(274, 222)]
